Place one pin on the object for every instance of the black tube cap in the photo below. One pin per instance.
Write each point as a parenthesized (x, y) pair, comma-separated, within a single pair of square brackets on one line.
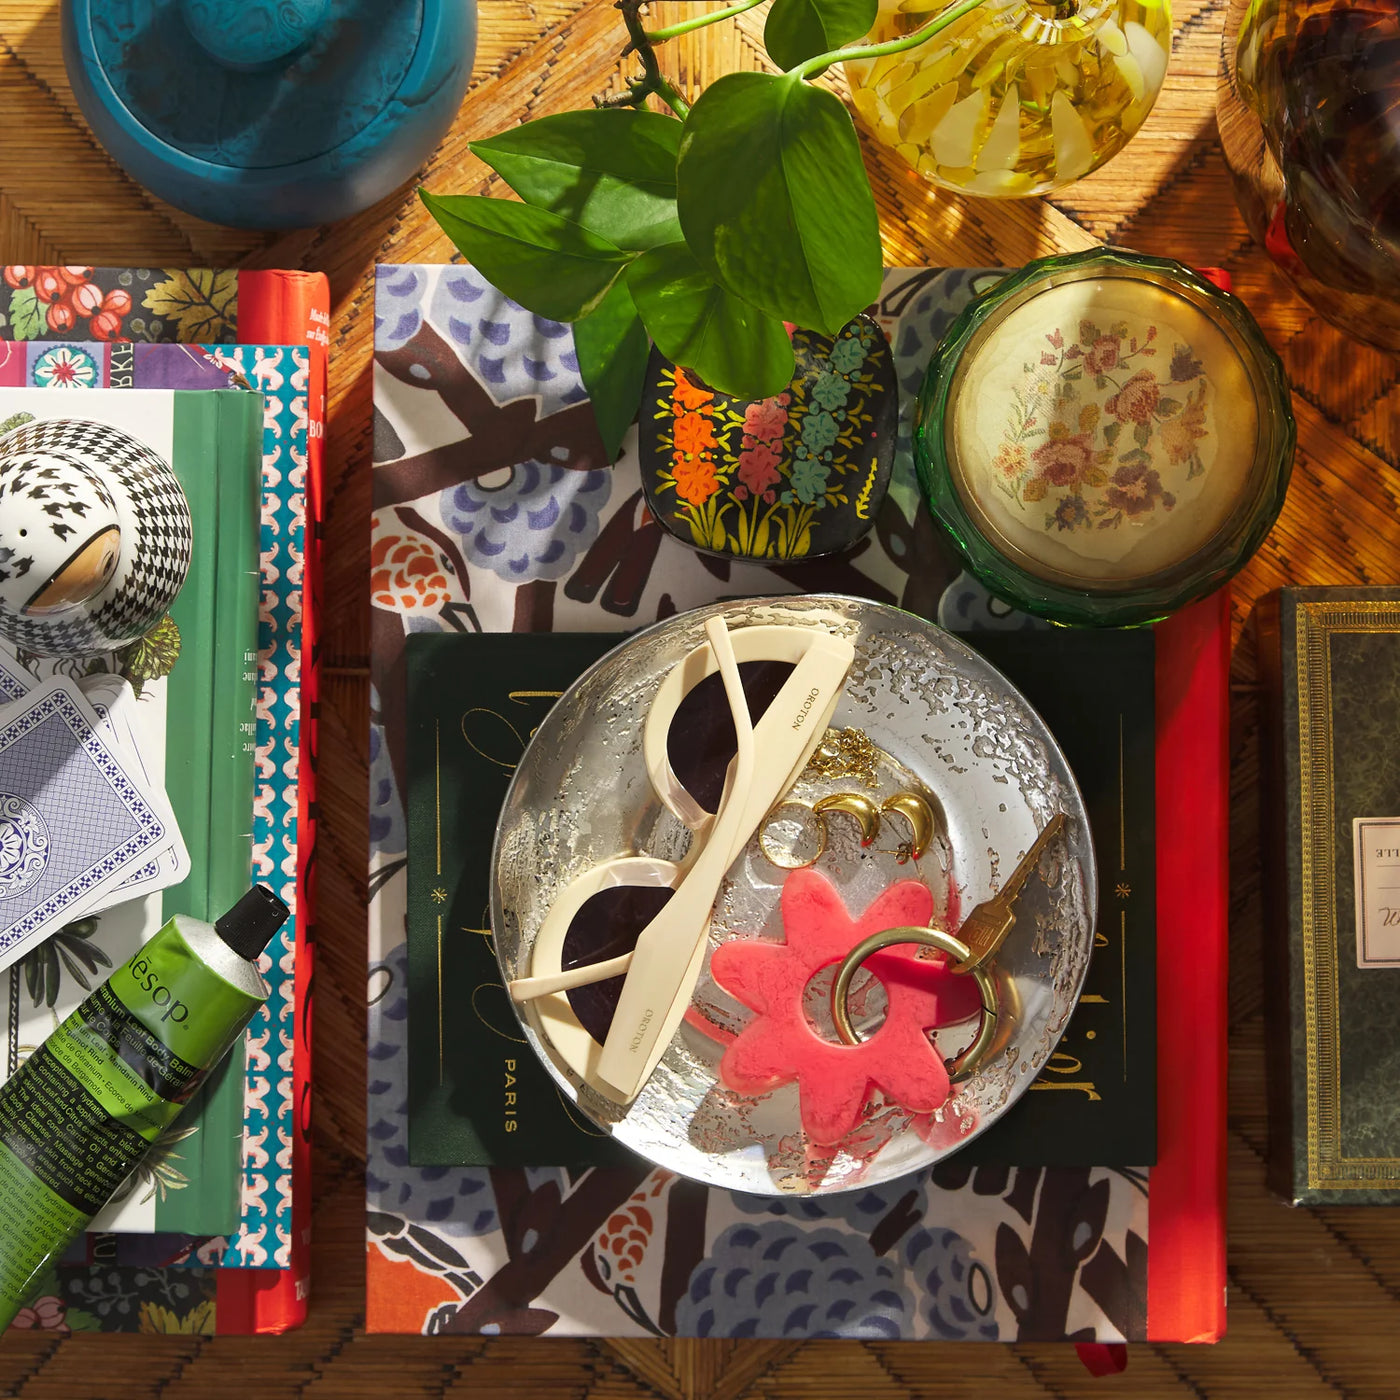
[(252, 923)]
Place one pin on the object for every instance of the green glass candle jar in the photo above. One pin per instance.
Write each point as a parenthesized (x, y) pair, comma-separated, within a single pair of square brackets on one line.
[(1105, 436)]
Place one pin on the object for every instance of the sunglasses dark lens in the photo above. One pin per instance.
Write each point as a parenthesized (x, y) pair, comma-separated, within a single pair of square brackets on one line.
[(701, 741), (607, 927)]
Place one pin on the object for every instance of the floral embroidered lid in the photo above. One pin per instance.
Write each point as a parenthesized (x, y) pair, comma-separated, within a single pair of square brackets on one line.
[(1106, 436)]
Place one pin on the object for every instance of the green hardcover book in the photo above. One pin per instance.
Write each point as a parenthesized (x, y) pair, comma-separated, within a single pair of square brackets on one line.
[(195, 716), (1329, 660), (477, 1094), (1095, 1102), (210, 732)]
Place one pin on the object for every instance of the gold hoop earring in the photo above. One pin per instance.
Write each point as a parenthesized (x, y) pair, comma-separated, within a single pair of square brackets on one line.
[(920, 816), (856, 805)]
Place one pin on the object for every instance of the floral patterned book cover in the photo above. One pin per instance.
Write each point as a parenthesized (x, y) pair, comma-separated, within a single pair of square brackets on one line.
[(496, 510), (111, 304), (46, 986)]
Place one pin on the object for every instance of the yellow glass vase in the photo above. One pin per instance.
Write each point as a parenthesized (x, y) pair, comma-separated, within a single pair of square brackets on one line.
[(1017, 97)]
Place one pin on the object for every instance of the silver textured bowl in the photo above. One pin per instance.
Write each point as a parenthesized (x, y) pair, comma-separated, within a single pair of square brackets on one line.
[(951, 721)]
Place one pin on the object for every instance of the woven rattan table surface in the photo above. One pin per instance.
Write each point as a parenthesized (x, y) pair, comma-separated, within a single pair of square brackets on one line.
[(1314, 1296)]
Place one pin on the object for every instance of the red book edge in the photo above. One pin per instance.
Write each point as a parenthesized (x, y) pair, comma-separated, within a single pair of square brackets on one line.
[(293, 308), (1186, 1198)]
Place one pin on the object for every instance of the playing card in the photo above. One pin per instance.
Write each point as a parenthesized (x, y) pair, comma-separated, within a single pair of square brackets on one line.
[(114, 702), (15, 681), (75, 820), (103, 692)]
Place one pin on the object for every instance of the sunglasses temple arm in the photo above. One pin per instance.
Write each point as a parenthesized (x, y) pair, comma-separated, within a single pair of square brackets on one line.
[(826, 675), (527, 988), (655, 982)]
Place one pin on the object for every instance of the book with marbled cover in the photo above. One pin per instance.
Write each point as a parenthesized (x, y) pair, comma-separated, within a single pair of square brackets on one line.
[(1330, 661)]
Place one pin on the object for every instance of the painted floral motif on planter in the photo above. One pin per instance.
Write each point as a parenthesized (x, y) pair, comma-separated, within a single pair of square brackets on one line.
[(1105, 429), (794, 476)]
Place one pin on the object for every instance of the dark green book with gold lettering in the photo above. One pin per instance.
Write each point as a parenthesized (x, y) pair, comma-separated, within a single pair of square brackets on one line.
[(477, 1094), (1329, 660)]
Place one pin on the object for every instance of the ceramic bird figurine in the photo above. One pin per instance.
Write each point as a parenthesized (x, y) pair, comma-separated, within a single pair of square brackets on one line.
[(95, 537)]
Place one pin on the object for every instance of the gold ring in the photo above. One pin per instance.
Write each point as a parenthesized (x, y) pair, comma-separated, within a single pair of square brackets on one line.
[(962, 1066), (763, 836)]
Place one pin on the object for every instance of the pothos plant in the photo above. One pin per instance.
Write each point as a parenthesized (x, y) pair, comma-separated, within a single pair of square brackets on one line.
[(702, 229)]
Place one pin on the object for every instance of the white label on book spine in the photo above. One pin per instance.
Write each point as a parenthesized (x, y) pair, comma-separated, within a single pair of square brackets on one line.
[(1376, 852)]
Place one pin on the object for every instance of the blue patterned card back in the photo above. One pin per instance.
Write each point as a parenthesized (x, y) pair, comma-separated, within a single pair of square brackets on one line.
[(73, 820)]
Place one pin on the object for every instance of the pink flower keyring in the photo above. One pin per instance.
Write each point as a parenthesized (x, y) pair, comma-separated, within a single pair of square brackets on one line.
[(779, 1046)]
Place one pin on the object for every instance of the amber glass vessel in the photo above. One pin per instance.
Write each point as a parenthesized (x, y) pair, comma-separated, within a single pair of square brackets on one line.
[(1309, 112), (1019, 96)]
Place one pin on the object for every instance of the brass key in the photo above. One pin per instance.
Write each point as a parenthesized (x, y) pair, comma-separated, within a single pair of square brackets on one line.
[(986, 926)]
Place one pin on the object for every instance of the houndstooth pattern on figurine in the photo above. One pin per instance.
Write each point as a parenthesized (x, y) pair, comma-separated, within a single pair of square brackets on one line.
[(95, 537)]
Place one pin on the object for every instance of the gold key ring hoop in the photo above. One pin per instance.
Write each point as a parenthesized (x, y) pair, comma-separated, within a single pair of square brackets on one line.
[(962, 1066)]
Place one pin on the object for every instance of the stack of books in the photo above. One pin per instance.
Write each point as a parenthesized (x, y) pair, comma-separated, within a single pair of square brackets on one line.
[(212, 1233)]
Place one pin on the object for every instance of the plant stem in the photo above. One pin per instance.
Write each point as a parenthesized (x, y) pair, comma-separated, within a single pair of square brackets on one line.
[(652, 81), (659, 36), (905, 41), (670, 95)]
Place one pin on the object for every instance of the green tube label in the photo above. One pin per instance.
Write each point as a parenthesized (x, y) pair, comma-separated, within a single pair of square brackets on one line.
[(80, 1113), (91, 1102)]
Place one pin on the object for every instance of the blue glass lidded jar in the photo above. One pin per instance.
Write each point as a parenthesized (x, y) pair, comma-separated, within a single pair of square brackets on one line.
[(270, 113)]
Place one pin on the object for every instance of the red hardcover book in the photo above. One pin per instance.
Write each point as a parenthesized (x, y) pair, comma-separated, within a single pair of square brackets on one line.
[(1186, 1204), (1186, 1219), (1186, 1207)]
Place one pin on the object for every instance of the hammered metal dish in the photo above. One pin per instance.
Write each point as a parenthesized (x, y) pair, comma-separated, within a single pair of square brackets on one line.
[(954, 726)]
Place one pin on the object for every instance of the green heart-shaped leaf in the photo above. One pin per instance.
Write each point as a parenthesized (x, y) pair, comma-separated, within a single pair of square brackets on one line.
[(547, 263), (613, 170), (612, 357), (801, 29), (700, 325), (774, 199)]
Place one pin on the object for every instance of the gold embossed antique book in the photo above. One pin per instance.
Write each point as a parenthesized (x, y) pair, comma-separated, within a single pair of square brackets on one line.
[(1330, 660)]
